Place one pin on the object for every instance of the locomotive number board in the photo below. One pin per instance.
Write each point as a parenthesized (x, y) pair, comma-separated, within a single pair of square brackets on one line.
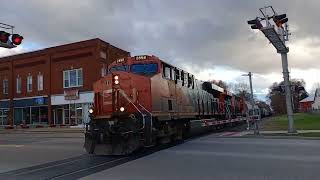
[(138, 58), (121, 60)]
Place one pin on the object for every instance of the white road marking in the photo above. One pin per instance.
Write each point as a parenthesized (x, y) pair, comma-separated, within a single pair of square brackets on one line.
[(10, 145)]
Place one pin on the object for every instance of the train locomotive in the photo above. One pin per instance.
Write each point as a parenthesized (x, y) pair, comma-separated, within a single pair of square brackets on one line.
[(144, 101)]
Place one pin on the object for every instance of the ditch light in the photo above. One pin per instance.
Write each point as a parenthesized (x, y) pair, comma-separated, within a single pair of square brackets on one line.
[(274, 38)]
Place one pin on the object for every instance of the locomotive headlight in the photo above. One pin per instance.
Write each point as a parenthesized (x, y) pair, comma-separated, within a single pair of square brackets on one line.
[(116, 81), (91, 110), (121, 109), (116, 77)]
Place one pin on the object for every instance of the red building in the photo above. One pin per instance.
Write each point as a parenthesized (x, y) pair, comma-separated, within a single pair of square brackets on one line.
[(305, 104), (53, 85)]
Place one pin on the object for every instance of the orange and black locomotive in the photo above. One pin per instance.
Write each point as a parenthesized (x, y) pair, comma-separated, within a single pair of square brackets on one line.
[(143, 101)]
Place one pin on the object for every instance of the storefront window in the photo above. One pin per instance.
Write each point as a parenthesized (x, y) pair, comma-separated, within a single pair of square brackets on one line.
[(79, 113), (69, 114), (44, 115), (18, 112), (5, 113), (58, 114), (26, 115), (3, 116), (73, 113), (66, 116), (34, 115)]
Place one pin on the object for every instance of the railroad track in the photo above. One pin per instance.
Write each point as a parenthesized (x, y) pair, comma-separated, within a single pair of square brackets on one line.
[(84, 165), (76, 167)]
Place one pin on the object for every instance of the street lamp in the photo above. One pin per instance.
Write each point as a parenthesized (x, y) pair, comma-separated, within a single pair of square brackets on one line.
[(277, 35), (256, 127)]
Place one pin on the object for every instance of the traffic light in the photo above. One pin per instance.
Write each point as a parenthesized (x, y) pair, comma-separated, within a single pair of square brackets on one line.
[(4, 36), (16, 39), (255, 24), (280, 19)]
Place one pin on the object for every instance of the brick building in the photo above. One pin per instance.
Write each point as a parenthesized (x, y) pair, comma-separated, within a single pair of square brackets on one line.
[(53, 85)]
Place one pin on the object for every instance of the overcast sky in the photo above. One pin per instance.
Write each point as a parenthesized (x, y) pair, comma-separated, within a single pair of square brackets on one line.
[(209, 38)]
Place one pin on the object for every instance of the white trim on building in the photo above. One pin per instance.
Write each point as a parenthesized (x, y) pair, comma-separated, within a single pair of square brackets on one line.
[(316, 103), (84, 97)]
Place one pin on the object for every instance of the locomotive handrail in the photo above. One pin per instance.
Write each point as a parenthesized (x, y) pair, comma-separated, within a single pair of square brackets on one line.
[(128, 99), (147, 129), (145, 109)]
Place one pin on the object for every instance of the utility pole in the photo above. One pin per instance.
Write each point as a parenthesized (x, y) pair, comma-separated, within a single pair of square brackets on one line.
[(256, 127), (277, 35), (286, 78)]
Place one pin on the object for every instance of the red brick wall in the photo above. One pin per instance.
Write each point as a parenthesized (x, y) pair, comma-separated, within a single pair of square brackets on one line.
[(51, 62), (33, 66), (81, 58), (5, 68)]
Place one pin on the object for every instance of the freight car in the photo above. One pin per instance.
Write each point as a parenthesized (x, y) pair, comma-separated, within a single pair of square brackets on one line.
[(143, 101)]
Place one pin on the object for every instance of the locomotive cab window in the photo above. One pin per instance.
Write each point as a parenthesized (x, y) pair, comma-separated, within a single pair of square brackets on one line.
[(168, 72), (145, 69)]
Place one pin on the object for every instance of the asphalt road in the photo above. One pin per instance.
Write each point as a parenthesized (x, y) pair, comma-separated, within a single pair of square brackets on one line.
[(225, 159), (20, 150), (41, 155)]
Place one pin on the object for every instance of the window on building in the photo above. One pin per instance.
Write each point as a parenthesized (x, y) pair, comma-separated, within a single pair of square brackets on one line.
[(29, 83), (72, 78), (5, 86), (18, 85), (103, 72), (40, 82)]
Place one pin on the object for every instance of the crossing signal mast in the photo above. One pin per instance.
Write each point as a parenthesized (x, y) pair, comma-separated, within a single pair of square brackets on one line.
[(277, 33), (9, 40)]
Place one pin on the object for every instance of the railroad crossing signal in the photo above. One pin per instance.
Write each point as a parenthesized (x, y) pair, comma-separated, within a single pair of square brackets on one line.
[(255, 23), (280, 19), (9, 40), (277, 35)]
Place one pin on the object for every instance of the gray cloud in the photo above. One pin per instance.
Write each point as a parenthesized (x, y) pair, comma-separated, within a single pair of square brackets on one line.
[(201, 33)]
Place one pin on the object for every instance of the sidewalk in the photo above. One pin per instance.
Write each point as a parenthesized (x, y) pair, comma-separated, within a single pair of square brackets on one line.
[(43, 130), (284, 132)]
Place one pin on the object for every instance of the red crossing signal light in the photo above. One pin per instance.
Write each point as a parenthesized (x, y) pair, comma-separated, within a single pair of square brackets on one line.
[(4, 36), (16, 39)]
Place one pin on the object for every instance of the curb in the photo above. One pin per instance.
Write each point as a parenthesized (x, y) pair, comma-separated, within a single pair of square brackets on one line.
[(278, 137)]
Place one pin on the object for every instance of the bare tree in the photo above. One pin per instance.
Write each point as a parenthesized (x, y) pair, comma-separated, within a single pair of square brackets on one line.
[(242, 89), (277, 97)]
